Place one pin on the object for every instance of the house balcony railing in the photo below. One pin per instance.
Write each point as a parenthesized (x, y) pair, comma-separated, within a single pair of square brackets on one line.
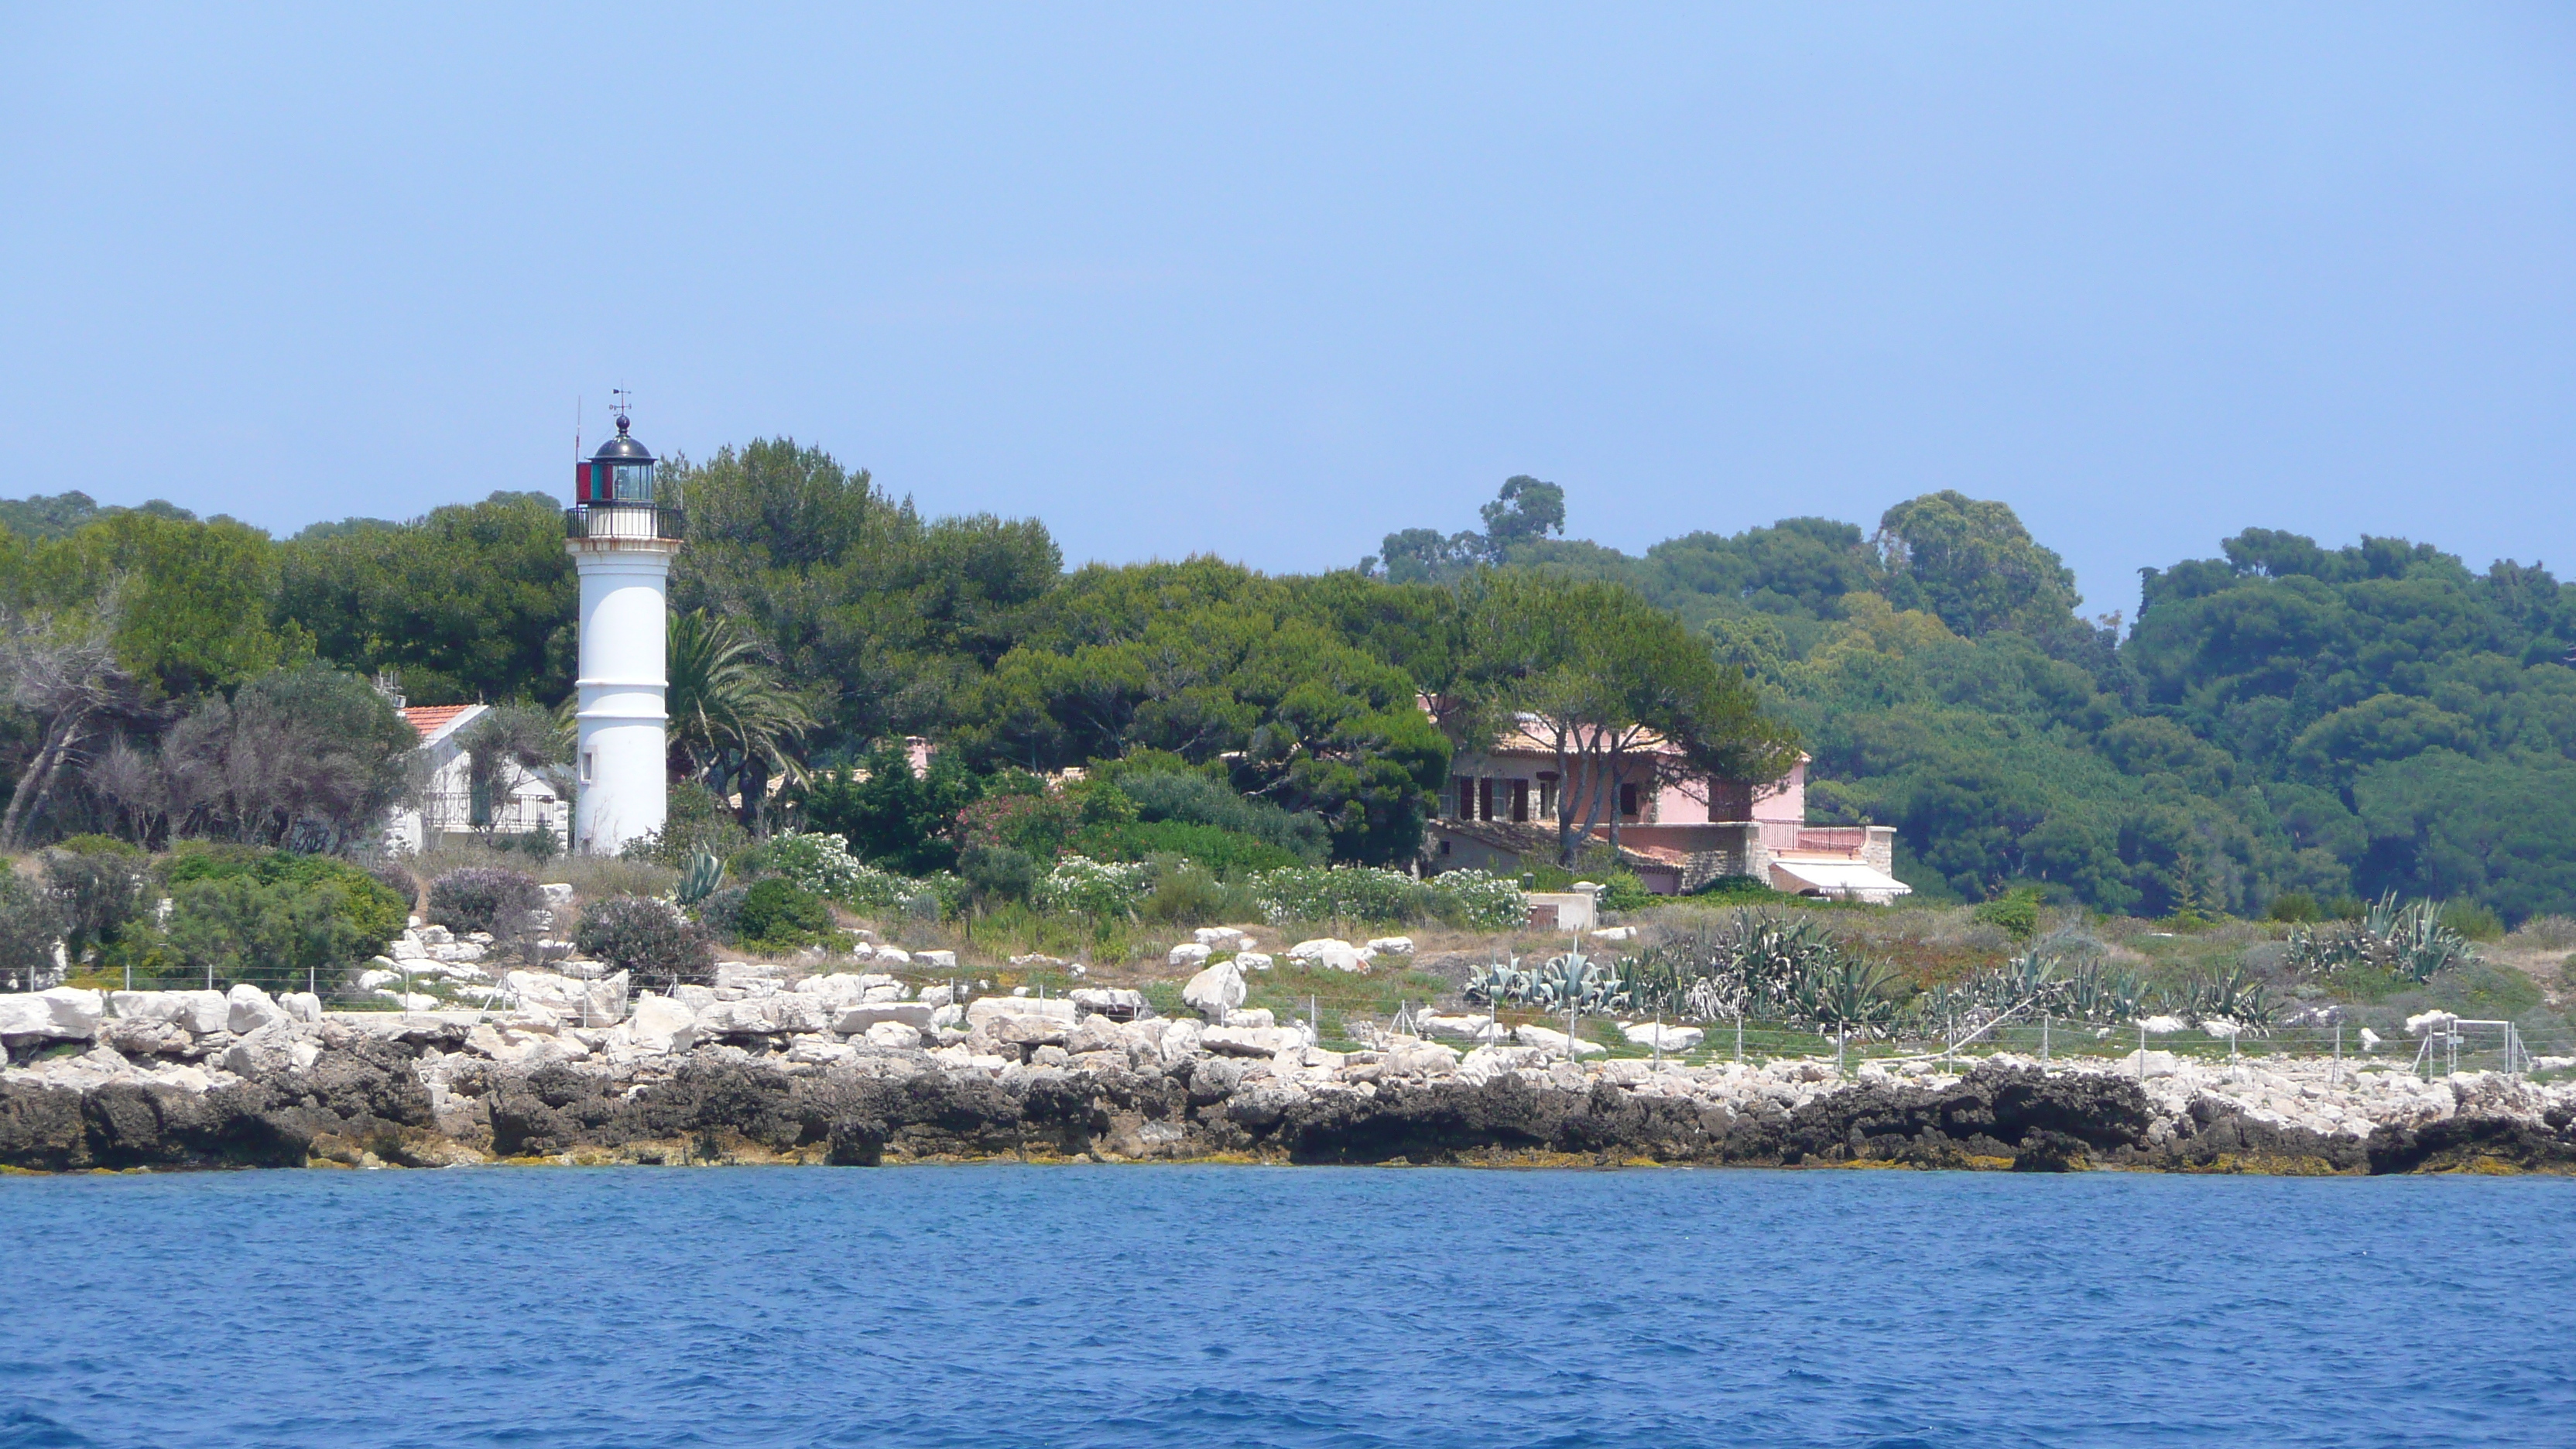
[(450, 810), (626, 520)]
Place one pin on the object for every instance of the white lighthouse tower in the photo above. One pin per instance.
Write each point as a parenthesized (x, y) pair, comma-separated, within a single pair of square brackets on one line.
[(622, 543)]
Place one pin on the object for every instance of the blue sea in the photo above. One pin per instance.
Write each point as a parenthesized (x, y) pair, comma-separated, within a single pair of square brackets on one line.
[(1072, 1306)]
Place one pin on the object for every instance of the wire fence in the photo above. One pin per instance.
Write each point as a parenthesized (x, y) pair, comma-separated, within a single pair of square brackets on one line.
[(2439, 1049)]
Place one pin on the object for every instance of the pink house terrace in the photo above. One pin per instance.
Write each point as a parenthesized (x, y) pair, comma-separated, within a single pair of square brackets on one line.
[(1501, 806)]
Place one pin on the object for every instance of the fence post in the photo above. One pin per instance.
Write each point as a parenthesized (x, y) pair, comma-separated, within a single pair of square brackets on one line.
[(2142, 1050), (1659, 1041), (1842, 1034), (2043, 1043), (1739, 1036), (2334, 1074)]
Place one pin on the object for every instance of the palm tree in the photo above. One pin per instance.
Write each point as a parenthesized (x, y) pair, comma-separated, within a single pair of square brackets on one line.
[(730, 713)]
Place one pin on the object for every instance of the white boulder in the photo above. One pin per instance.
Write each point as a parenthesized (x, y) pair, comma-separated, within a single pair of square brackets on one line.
[(1252, 961), (663, 1024), (1326, 952), (202, 1012), (865, 1017), (990, 1008), (1455, 1028), (1555, 1041), (303, 1006), (894, 1034), (1221, 938), (1190, 953), (937, 960), (64, 1013), (1215, 991), (1615, 935), (1665, 1038), (249, 1009), (1389, 946), (1251, 1041)]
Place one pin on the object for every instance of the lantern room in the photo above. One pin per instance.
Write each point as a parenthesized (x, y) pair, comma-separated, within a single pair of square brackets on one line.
[(620, 472)]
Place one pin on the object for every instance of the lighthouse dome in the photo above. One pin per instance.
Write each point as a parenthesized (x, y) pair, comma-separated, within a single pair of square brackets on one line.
[(621, 471)]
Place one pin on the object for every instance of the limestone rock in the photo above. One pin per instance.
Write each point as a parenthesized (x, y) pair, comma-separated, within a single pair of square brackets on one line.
[(1328, 953), (1455, 1028), (894, 1035), (1251, 1041), (913, 1016), (202, 1013), (935, 960), (1221, 938), (1252, 960), (63, 1013), (663, 1024), (1096, 1034), (1667, 1038), (1190, 953), (1389, 946), (271, 1048), (249, 1009), (1615, 935), (1421, 1059), (1112, 1001), (1215, 991), (987, 1008), (1554, 1041)]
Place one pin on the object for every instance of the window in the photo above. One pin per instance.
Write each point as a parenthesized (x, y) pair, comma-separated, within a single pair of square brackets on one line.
[(1547, 796), (1466, 799), (589, 764), (1485, 799), (1627, 800), (1520, 801)]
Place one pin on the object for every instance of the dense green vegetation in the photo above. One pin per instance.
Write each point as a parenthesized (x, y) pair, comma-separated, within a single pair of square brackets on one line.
[(2283, 721), (2287, 726)]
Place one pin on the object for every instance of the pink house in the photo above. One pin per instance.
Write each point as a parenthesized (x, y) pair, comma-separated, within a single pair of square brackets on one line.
[(1502, 804)]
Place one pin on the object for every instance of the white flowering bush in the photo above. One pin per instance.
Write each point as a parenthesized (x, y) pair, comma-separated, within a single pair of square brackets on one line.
[(818, 863), (1480, 901), (1079, 884), (823, 864), (1355, 892)]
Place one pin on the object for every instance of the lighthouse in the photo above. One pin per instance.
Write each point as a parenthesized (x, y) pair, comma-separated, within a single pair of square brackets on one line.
[(622, 541)]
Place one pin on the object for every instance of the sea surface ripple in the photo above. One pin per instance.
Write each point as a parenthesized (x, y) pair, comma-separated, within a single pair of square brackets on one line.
[(1076, 1306)]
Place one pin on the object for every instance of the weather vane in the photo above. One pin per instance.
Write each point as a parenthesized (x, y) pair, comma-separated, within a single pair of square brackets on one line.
[(623, 398)]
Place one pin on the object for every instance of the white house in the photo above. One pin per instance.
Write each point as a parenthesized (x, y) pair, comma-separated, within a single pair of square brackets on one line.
[(518, 801)]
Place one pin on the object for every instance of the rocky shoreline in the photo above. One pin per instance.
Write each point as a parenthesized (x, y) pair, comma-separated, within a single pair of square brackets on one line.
[(179, 1080)]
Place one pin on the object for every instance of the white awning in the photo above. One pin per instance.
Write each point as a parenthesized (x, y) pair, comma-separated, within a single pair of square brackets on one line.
[(1847, 878)]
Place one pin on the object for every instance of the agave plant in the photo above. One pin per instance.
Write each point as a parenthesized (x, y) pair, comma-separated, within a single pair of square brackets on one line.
[(2408, 941), (1848, 993), (1504, 983), (2232, 994), (1577, 982), (702, 879)]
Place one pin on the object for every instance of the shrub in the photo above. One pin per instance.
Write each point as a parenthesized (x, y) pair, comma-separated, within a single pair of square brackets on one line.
[(776, 912), (1477, 901), (30, 920), (2294, 907), (2472, 920), (721, 910), (1227, 853), (647, 937), (537, 845), (485, 898), (1079, 885), (1185, 891), (2015, 913), (97, 883), (274, 918), (1355, 892), (1622, 891), (997, 872), (818, 863), (1180, 796)]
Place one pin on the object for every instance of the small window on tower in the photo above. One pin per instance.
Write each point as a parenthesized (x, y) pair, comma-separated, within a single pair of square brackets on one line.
[(589, 764)]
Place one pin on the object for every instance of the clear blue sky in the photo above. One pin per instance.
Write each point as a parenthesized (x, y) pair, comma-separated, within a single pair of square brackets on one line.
[(1271, 283)]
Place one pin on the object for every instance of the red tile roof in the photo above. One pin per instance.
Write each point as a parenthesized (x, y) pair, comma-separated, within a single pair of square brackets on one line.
[(429, 719)]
